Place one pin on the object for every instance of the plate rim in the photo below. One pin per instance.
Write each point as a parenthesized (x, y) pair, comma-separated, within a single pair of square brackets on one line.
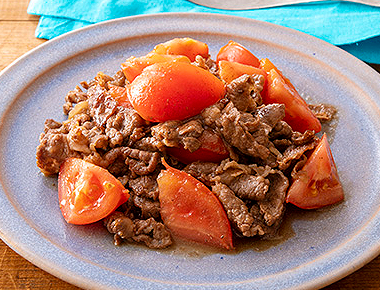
[(56, 271)]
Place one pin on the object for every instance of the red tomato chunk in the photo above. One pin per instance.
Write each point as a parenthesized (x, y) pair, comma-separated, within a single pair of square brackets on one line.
[(191, 211), (88, 193), (174, 91), (318, 183)]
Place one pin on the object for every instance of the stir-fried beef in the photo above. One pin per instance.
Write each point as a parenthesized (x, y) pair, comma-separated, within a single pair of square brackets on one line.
[(176, 133), (203, 171), (237, 211), (121, 124), (52, 151), (148, 207), (118, 79), (251, 184), (323, 112), (250, 187), (272, 208), (281, 130), (73, 97), (102, 105), (270, 115), (138, 162), (150, 232), (207, 64), (294, 152), (145, 186), (237, 127), (71, 138), (244, 92)]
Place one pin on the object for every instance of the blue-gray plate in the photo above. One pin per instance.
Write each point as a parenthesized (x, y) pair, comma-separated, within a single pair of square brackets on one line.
[(315, 248)]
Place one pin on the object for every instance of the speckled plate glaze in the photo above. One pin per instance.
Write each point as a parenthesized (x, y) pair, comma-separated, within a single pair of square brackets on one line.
[(324, 246)]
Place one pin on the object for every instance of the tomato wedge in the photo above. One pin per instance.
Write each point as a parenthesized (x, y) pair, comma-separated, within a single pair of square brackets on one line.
[(183, 46), (88, 193), (317, 184), (191, 211), (211, 150), (235, 52), (133, 66), (228, 70), (174, 91), (280, 90)]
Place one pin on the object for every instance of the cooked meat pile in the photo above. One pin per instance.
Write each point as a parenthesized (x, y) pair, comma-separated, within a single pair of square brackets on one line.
[(251, 184)]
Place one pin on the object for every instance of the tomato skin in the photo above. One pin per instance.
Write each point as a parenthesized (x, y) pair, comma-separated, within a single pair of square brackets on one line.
[(88, 193), (133, 66), (191, 211), (317, 184), (211, 150), (267, 66), (228, 70), (281, 90), (183, 46), (235, 52), (174, 91)]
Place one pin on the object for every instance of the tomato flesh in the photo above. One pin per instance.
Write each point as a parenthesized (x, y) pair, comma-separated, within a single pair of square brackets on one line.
[(191, 211), (183, 46), (174, 91), (235, 52), (88, 193), (211, 150), (267, 66), (297, 113), (228, 70), (317, 184), (133, 66)]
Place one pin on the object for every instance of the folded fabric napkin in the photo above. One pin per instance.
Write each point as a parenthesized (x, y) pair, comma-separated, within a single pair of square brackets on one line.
[(352, 26)]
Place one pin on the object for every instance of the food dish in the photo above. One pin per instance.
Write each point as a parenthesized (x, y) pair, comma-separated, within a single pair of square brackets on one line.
[(136, 147), (324, 246)]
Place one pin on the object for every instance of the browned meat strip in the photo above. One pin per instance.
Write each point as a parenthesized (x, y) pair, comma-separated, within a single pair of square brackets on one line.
[(270, 115), (281, 130), (175, 133), (237, 211), (137, 161), (149, 208), (145, 186), (272, 208), (294, 152), (150, 232), (250, 187), (73, 97), (236, 128), (101, 104), (121, 124), (52, 151), (203, 171), (118, 79), (244, 92), (121, 226), (299, 139), (323, 112)]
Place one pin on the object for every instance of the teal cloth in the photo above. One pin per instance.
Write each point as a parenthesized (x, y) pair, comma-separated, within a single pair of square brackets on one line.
[(354, 27)]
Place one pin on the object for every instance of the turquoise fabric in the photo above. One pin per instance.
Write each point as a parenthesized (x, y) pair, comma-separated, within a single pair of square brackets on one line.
[(354, 27)]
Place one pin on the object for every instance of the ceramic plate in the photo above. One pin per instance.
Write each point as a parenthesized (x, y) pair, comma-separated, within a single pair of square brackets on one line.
[(316, 247)]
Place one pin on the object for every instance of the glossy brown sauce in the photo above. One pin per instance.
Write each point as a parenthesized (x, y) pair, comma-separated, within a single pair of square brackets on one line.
[(194, 250)]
